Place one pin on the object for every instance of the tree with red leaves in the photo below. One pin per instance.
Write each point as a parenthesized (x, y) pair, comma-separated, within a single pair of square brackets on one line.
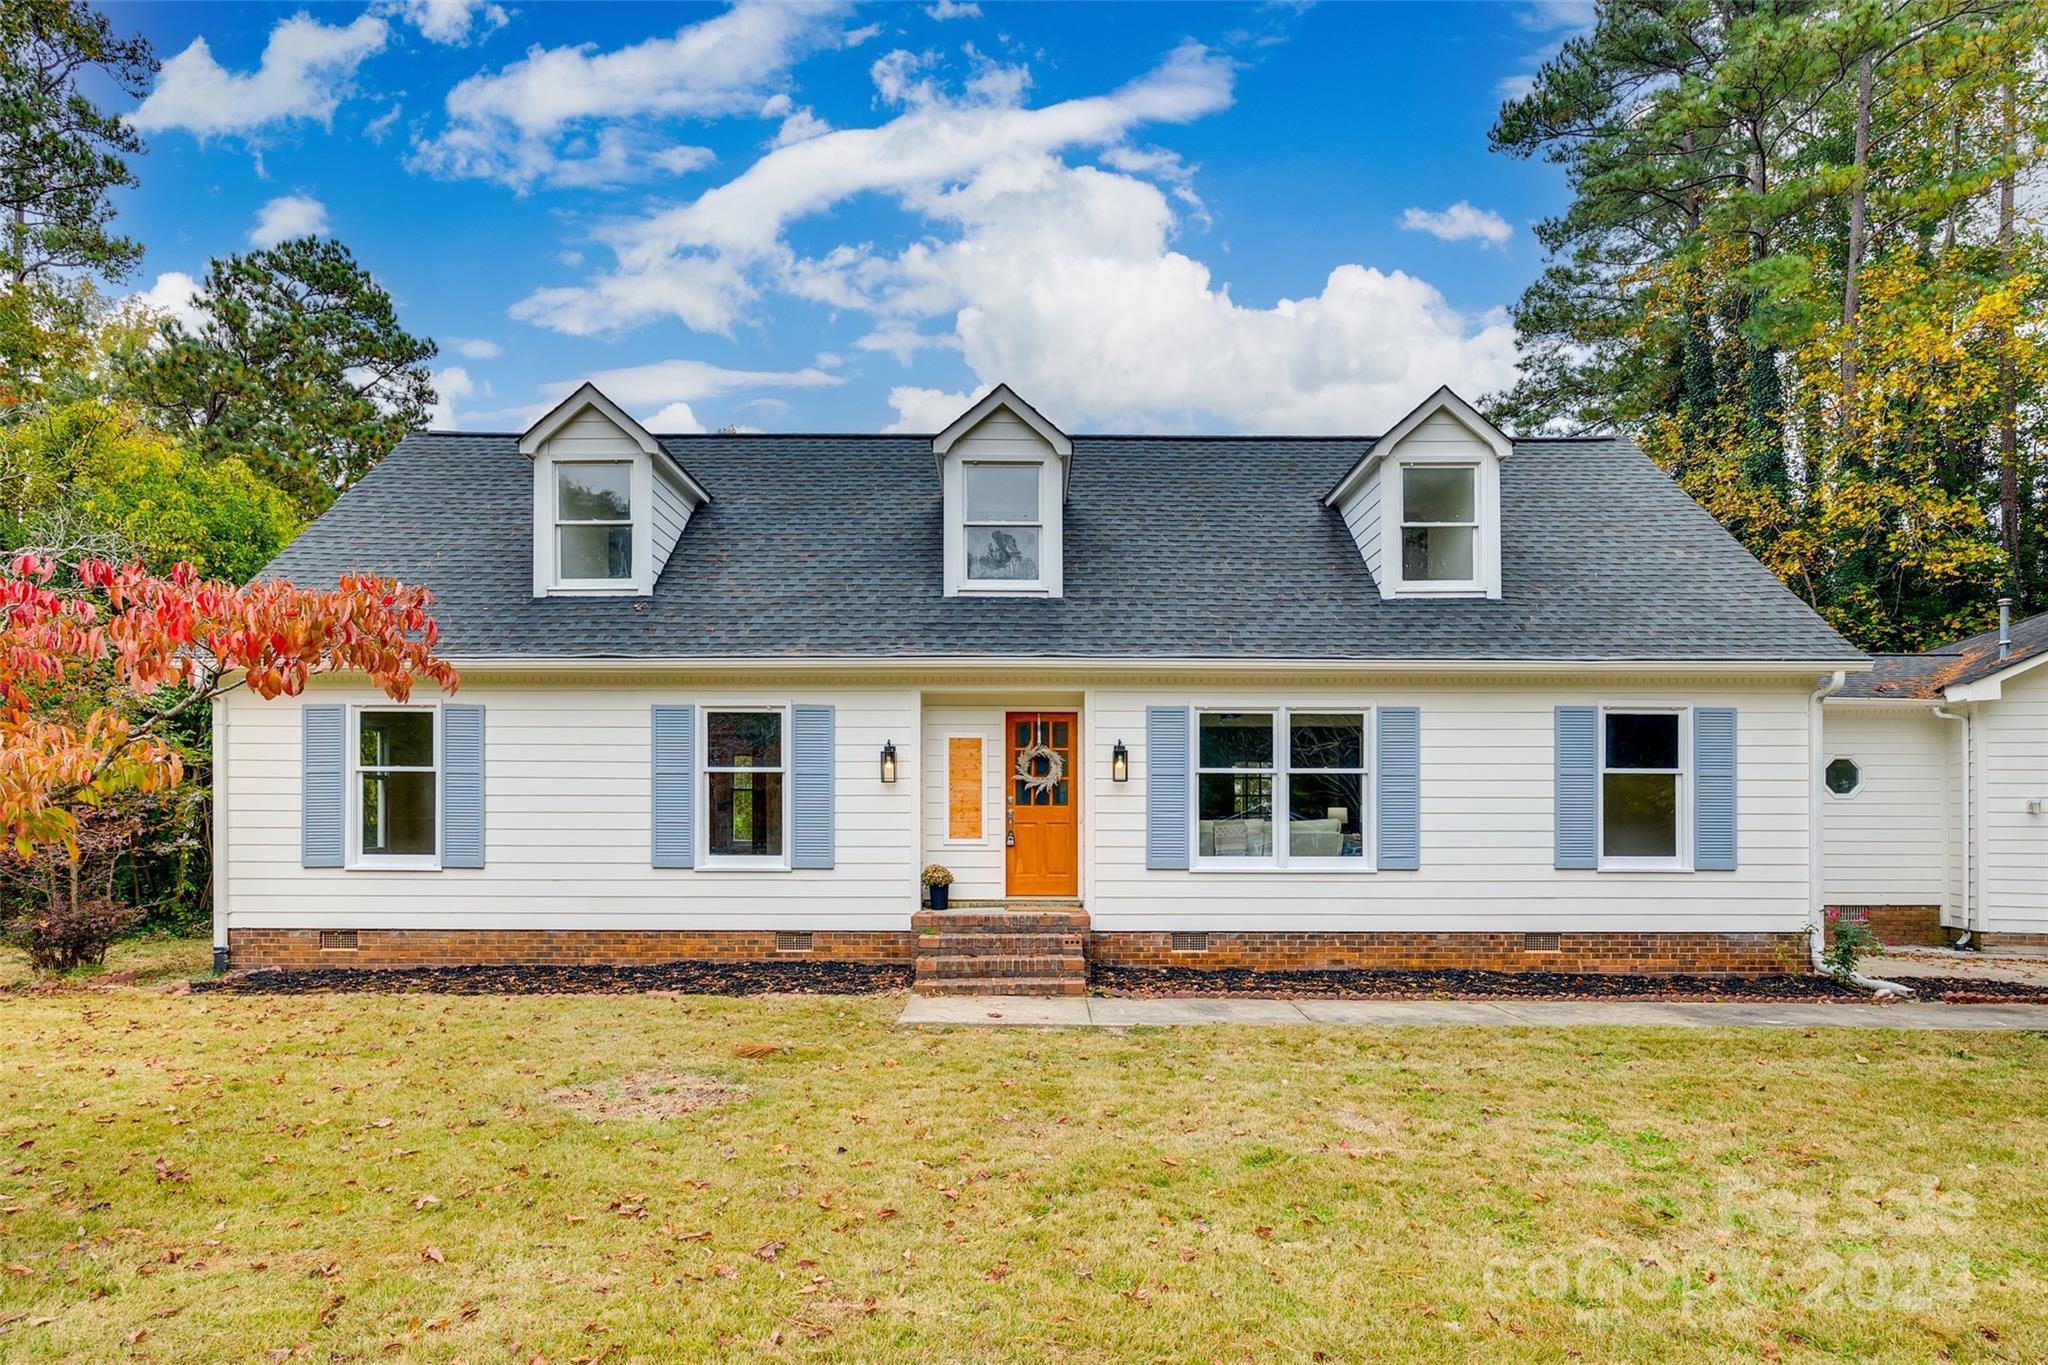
[(90, 679)]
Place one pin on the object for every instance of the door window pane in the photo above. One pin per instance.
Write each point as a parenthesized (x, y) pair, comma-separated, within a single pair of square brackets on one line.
[(593, 492), (1642, 740), (1236, 739), (1640, 815), (1439, 495), (596, 551), (746, 814), (1325, 815), (1003, 553), (1437, 554), (396, 739), (1001, 492)]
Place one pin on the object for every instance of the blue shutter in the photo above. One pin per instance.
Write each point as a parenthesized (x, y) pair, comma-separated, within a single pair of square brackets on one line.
[(1398, 751), (810, 843), (1166, 787), (462, 786), (1578, 780), (320, 768), (675, 779), (1713, 788)]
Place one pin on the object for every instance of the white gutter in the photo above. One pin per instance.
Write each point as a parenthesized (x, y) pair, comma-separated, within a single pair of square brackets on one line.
[(1070, 664), (1816, 778), (1969, 861)]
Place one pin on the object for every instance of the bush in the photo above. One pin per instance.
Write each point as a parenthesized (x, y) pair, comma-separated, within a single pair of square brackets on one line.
[(1850, 937), (69, 934), (62, 910)]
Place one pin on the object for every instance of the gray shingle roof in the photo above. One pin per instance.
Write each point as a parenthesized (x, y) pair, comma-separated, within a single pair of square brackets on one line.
[(1924, 676), (1175, 546)]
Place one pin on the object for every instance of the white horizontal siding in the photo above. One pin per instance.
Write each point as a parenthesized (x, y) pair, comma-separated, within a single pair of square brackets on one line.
[(567, 792), (671, 515), (1887, 843), (590, 435), (2013, 845), (1362, 518), (977, 866), (1488, 824)]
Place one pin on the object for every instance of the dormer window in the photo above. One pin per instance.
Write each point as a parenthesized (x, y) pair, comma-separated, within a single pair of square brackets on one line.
[(1423, 502), (1003, 472), (1000, 512), (1439, 524), (593, 521), (610, 501)]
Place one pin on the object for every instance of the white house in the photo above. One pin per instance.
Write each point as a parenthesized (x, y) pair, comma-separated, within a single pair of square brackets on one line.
[(1936, 778), (1433, 698)]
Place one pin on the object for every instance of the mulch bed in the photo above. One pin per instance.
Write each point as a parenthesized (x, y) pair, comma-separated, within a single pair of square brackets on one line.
[(1971, 990), (1460, 984), (682, 978)]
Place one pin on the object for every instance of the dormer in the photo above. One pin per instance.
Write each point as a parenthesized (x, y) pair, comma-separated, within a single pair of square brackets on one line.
[(1003, 469), (609, 502), (1424, 502)]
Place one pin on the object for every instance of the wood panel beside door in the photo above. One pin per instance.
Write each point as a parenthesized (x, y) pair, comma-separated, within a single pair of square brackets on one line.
[(1042, 828)]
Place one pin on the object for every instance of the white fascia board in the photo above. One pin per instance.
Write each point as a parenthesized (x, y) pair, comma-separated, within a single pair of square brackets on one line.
[(1443, 400), (1992, 686), (1002, 396), (1801, 669)]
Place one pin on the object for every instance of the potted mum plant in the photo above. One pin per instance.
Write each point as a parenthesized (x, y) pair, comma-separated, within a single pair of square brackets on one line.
[(937, 884)]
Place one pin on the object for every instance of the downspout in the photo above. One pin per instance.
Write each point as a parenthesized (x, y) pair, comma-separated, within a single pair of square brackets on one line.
[(1816, 915), (1969, 860), (220, 835)]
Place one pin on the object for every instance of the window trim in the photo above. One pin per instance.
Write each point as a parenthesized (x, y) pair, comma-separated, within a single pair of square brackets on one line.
[(1828, 762), (1464, 586), (357, 859), (968, 582), (556, 522), (701, 792), (1281, 859), (1687, 772)]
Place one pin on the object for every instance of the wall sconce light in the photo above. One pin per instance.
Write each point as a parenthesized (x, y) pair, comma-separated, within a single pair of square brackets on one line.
[(889, 761), (1119, 763)]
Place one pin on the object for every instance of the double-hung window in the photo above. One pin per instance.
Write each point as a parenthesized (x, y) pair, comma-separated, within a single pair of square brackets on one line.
[(593, 521), (1002, 522), (1440, 524), (397, 785), (1644, 778), (1281, 788), (745, 786)]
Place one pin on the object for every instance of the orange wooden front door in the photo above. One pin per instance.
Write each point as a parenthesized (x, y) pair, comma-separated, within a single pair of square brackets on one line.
[(1043, 828)]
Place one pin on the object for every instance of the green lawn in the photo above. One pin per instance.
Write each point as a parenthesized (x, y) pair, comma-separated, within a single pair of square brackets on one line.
[(204, 1177)]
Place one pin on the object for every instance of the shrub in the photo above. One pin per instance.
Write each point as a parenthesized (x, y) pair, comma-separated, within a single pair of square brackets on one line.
[(935, 874), (1850, 938), (64, 911), (69, 934)]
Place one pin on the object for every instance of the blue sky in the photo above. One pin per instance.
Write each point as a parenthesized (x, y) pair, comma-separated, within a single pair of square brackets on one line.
[(1145, 217)]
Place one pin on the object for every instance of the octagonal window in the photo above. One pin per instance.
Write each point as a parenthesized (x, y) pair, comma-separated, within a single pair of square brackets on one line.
[(1843, 776)]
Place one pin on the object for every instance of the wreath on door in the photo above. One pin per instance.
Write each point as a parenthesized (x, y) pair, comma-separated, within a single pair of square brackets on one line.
[(1035, 782)]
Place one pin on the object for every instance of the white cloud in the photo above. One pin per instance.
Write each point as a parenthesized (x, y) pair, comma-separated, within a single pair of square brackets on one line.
[(799, 123), (1547, 16), (450, 21), (953, 9), (304, 73), (1062, 279), (675, 419), (288, 215), (450, 384), (473, 348), (1514, 87), (172, 295), (528, 122), (639, 388), (377, 127), (1459, 223)]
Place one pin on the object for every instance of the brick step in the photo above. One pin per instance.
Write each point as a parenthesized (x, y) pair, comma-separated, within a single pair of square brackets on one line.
[(956, 945), (1004, 985), (1000, 921), (1003, 964)]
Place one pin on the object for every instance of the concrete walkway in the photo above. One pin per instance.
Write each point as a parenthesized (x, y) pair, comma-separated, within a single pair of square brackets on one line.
[(1085, 1012)]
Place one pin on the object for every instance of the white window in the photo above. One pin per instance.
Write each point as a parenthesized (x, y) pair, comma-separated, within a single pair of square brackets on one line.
[(1644, 787), (745, 788), (397, 786), (1281, 788), (1002, 522), (1440, 524), (1843, 776), (593, 521)]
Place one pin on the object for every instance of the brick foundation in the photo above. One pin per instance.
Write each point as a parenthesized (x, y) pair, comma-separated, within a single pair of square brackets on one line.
[(1917, 926), (2014, 940), (1715, 954), (299, 949)]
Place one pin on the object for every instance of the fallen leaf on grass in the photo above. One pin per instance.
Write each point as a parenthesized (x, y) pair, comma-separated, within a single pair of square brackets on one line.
[(434, 1254), (757, 1049)]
